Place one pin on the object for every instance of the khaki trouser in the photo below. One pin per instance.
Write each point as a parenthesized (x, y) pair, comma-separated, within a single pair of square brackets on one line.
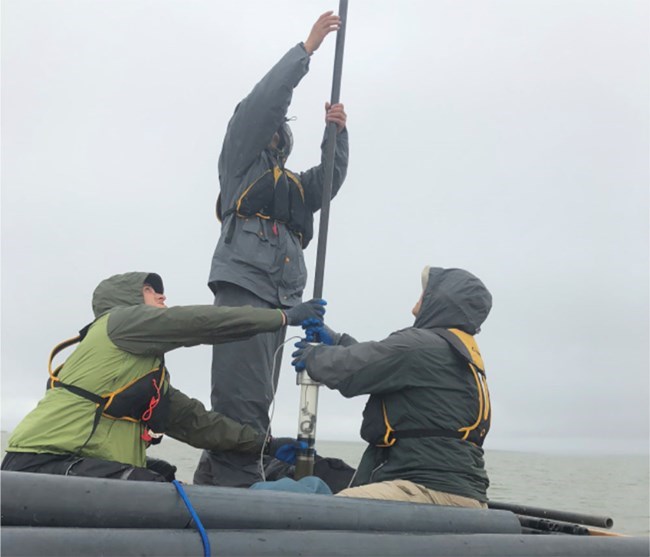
[(403, 490)]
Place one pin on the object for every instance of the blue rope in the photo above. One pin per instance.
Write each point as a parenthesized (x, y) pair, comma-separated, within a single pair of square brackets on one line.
[(195, 517)]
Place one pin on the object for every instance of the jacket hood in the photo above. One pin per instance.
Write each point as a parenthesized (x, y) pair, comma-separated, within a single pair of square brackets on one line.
[(123, 290), (454, 298)]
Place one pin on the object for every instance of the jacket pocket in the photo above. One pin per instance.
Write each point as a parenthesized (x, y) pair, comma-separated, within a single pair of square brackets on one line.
[(294, 270), (252, 246)]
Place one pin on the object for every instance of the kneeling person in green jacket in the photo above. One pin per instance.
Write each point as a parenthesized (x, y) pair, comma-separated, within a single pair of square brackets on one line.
[(113, 397), (429, 408)]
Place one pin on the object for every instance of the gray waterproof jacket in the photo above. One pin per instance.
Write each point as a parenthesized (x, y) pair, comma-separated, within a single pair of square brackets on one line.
[(423, 384), (263, 255)]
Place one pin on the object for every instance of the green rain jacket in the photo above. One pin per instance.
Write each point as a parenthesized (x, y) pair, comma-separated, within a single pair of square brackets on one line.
[(125, 342), (423, 384)]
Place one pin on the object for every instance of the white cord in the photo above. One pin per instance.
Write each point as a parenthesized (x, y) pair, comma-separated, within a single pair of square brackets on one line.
[(276, 373)]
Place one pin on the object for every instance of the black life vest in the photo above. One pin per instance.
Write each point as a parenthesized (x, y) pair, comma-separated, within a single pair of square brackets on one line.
[(464, 346), (143, 400), (276, 195)]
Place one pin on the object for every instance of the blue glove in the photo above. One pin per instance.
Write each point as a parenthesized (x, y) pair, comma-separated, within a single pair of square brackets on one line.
[(313, 310), (287, 451), (315, 332), (300, 355)]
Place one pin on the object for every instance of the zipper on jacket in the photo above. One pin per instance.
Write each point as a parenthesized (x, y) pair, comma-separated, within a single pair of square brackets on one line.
[(376, 469)]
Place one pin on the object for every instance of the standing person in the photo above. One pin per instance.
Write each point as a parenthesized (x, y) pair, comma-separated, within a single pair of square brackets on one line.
[(112, 397), (429, 408), (267, 221)]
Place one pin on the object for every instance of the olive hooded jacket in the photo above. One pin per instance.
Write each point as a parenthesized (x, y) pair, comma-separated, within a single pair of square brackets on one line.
[(423, 384), (126, 341)]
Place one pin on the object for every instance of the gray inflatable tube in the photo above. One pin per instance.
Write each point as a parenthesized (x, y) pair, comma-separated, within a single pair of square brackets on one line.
[(60, 501), (54, 515), (90, 542)]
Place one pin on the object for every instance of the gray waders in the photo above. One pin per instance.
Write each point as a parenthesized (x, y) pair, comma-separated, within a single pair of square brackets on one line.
[(242, 389)]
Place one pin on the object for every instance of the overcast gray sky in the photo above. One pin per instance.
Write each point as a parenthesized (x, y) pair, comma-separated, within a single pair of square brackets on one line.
[(506, 137)]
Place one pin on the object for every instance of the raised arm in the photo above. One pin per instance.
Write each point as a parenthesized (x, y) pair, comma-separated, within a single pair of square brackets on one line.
[(262, 112), (313, 180)]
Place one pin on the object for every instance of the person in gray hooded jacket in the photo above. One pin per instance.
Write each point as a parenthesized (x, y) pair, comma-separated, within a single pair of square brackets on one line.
[(267, 220), (429, 408)]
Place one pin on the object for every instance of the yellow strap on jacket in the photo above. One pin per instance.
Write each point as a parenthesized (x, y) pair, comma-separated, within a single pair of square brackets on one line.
[(465, 346)]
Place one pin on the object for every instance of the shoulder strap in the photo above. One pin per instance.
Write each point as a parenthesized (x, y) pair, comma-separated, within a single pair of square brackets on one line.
[(54, 380), (464, 345), (60, 347)]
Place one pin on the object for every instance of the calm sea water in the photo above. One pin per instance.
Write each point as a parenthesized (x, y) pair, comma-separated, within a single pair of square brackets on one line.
[(615, 486)]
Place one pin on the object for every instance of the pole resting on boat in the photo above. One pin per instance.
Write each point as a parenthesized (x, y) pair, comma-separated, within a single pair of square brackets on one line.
[(553, 514)]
